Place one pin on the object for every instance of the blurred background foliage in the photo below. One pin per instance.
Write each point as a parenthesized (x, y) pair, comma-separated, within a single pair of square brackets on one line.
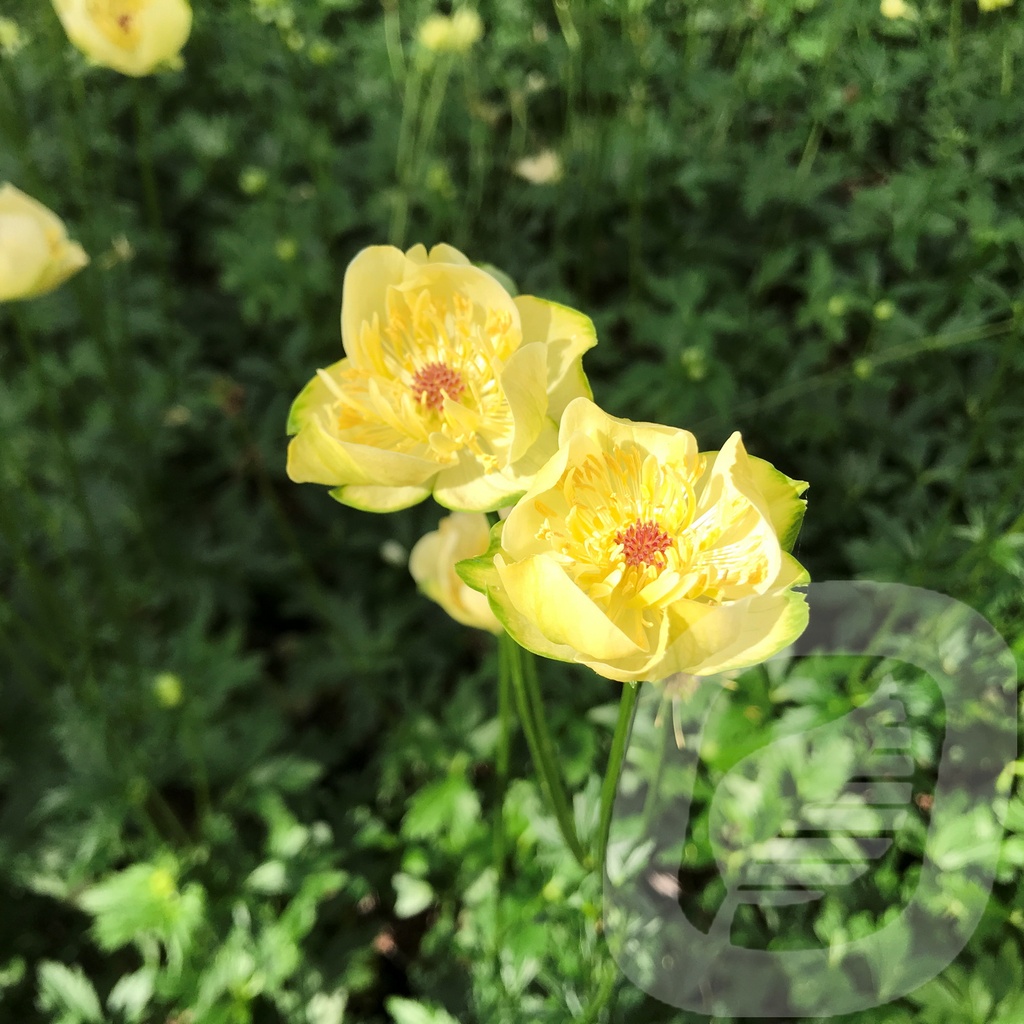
[(247, 771)]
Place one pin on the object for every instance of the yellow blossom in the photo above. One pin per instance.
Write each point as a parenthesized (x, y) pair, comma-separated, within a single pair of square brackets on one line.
[(35, 253), (449, 386), (896, 9), (432, 564), (993, 5), (542, 169), (638, 556), (12, 39), (135, 37), (456, 34)]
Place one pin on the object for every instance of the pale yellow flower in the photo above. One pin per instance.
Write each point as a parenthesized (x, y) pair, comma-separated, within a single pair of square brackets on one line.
[(432, 564), (456, 34), (12, 39), (449, 386), (542, 169), (896, 9), (35, 253), (636, 555), (135, 37), (993, 5)]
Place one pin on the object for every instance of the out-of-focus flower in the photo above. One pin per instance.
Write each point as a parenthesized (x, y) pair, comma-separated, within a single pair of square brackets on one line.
[(449, 386), (456, 34), (167, 689), (35, 253), (993, 5), (885, 310), (896, 9), (634, 554), (432, 564), (12, 39), (286, 249), (542, 169), (135, 37)]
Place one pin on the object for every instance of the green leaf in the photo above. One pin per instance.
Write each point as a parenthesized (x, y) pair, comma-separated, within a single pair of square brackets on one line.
[(69, 992), (412, 895), (408, 1011)]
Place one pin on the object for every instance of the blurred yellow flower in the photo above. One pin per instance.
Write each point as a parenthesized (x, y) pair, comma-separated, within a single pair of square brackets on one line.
[(542, 169), (449, 386), (35, 253), (135, 37), (897, 9), (12, 39), (432, 564), (456, 34), (993, 5), (634, 554)]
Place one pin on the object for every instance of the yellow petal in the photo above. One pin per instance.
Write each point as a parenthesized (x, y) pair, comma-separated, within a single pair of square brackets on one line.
[(568, 334), (670, 444), (315, 456), (782, 499), (538, 588), (316, 396), (524, 381), (364, 294), (370, 498), (468, 487), (447, 254)]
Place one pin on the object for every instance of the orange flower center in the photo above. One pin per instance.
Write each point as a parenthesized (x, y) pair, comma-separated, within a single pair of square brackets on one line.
[(436, 381), (643, 543)]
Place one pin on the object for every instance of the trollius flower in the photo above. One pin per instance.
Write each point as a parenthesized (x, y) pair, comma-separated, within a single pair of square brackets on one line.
[(135, 37), (635, 554), (449, 386), (432, 564), (36, 254)]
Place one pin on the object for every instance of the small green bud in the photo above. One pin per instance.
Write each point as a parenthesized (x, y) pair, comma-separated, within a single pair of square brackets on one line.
[(167, 688), (885, 310)]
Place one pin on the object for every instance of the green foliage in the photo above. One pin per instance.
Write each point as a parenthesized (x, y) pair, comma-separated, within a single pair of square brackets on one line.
[(248, 773)]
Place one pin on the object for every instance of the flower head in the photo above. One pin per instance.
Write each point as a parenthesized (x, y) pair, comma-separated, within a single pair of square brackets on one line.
[(993, 5), (457, 34), (135, 37), (896, 9), (635, 554), (449, 386), (35, 253), (432, 564)]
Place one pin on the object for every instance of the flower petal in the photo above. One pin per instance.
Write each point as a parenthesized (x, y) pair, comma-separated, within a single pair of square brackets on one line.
[(782, 499), (538, 588), (568, 334), (364, 294), (317, 457), (370, 498), (524, 383), (315, 396)]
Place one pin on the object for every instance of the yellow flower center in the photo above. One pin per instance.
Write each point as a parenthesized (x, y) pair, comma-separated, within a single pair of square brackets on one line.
[(632, 532), (426, 381), (117, 20)]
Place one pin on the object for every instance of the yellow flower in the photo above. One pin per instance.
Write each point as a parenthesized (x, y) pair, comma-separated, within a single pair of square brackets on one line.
[(432, 564), (456, 34), (35, 253), (896, 9), (542, 169), (135, 37), (449, 386), (634, 554), (993, 5)]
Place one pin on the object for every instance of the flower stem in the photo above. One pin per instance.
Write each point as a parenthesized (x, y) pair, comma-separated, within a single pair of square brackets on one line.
[(538, 738), (627, 706)]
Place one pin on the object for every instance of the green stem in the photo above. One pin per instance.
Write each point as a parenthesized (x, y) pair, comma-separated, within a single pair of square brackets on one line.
[(601, 997), (956, 18), (144, 155), (501, 766), (541, 746), (627, 706)]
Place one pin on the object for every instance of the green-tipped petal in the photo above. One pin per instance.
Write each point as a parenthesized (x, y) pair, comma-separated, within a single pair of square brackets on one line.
[(314, 396), (368, 498), (568, 334), (781, 499)]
